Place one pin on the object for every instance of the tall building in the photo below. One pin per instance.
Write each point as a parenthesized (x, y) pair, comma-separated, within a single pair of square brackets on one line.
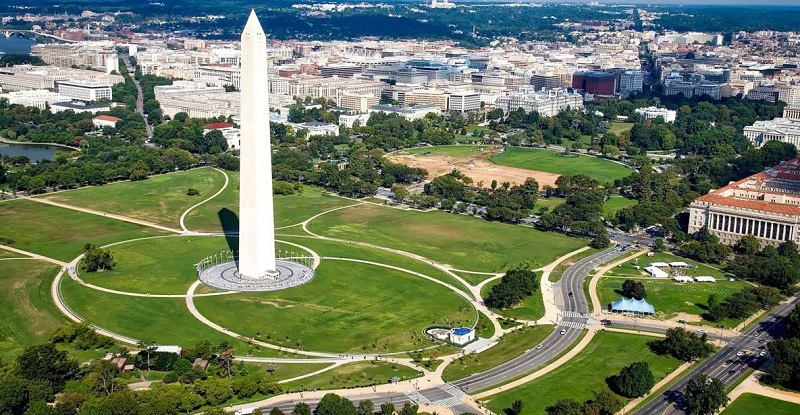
[(86, 91), (545, 81), (595, 83), (256, 216), (464, 101), (765, 205), (631, 82)]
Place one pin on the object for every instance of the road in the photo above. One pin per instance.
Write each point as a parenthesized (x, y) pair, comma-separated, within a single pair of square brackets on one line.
[(725, 364), (139, 95)]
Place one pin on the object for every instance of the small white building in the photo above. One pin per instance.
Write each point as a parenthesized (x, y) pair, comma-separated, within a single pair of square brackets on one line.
[(350, 120), (169, 349), (679, 264), (101, 121), (462, 336), (650, 113), (682, 279), (656, 272), (705, 279)]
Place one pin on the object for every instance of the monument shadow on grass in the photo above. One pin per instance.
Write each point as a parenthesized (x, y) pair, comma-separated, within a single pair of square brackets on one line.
[(230, 227)]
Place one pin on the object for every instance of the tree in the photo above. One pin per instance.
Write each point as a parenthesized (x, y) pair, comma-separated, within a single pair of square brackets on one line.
[(514, 286), (13, 395), (302, 408), (705, 395), (748, 245), (634, 380), (786, 369), (633, 289), (408, 409), (366, 407), (276, 411), (605, 403), (387, 408), (658, 245), (514, 409), (792, 321), (45, 362), (97, 259), (682, 345), (332, 404), (565, 407), (601, 240)]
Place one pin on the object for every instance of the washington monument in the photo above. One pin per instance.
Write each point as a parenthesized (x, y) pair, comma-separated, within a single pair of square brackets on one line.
[(256, 222)]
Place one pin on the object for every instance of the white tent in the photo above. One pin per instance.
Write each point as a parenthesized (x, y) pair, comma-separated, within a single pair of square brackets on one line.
[(656, 272), (679, 278), (679, 265), (705, 279), (659, 264)]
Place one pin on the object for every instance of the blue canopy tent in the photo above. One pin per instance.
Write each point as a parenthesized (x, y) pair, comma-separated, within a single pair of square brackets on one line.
[(630, 305)]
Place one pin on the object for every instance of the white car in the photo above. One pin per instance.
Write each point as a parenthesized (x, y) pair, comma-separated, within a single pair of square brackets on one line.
[(563, 331), (539, 347), (740, 353)]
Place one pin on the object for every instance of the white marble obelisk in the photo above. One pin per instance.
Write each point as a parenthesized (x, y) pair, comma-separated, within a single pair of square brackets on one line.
[(256, 222)]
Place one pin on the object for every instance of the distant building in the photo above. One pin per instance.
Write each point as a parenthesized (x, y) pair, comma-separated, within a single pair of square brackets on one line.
[(357, 102), (766, 93), (86, 91), (786, 129), (101, 121), (444, 4), (765, 205), (595, 83), (631, 82), (350, 120), (546, 103), (464, 101), (650, 113), (39, 98), (78, 107)]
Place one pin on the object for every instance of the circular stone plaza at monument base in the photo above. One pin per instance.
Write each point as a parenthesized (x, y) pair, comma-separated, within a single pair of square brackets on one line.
[(255, 267)]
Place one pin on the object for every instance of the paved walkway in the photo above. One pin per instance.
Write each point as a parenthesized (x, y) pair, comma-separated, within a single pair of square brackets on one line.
[(752, 385), (224, 186), (34, 256)]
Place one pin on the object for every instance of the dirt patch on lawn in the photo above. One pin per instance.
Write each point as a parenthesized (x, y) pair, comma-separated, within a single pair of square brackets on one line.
[(477, 167)]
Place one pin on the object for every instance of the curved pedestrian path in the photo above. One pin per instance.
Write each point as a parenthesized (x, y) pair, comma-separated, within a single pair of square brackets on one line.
[(186, 212)]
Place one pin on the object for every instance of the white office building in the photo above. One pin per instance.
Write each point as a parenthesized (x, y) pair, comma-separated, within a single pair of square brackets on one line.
[(464, 101), (86, 91)]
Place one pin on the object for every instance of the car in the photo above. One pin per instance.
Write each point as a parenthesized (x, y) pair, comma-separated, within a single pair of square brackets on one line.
[(682, 321), (732, 371), (563, 331), (763, 353), (762, 341), (729, 361), (762, 347), (740, 353), (539, 347), (570, 294)]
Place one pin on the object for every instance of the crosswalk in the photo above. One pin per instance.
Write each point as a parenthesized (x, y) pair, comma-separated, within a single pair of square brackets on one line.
[(448, 402), (417, 397), (572, 324), (452, 390), (571, 314)]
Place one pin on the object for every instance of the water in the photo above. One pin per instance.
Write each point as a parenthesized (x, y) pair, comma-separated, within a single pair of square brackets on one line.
[(35, 152), (16, 45)]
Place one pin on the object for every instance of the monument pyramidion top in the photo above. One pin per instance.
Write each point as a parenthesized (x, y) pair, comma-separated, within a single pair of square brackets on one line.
[(253, 26)]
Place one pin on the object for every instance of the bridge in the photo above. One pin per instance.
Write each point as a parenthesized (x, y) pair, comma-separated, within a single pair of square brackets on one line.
[(8, 32)]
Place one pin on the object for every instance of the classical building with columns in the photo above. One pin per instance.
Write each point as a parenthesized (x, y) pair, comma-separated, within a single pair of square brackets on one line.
[(765, 205)]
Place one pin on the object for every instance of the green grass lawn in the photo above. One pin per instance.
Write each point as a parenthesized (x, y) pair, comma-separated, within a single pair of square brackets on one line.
[(462, 242), (8, 254), (471, 278), (347, 307), (604, 356), (617, 127), (616, 203), (555, 162), (549, 202), (556, 274), (161, 320), (700, 269), (282, 371), (751, 404), (326, 248), (159, 199), (354, 375), (27, 312), (532, 308), (510, 346), (453, 151), (220, 213), (159, 265), (61, 233), (669, 297)]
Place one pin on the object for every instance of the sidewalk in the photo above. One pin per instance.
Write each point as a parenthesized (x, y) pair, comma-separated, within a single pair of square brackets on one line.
[(752, 385)]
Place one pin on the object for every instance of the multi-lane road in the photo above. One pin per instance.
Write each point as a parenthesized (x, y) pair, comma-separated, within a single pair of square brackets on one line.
[(725, 364)]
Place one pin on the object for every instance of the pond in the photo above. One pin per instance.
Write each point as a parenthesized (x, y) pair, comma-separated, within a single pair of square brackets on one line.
[(35, 152)]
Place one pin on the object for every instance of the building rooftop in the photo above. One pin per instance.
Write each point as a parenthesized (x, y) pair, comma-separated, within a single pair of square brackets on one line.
[(461, 331), (107, 118), (775, 190)]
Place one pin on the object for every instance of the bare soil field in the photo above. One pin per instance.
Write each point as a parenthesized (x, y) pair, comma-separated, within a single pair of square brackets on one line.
[(476, 166)]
